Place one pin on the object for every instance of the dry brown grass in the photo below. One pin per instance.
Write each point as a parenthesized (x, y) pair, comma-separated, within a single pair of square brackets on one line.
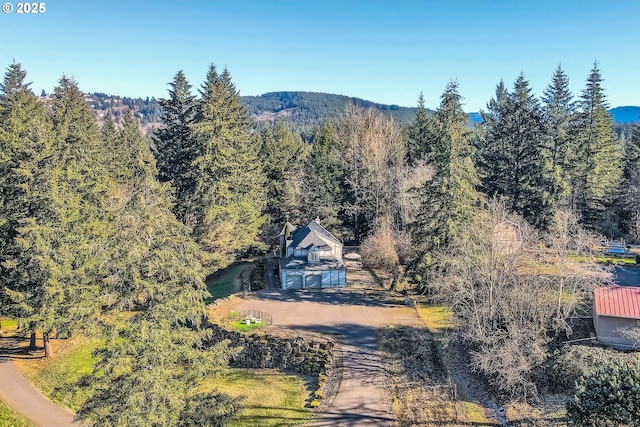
[(219, 313), (549, 413), (420, 395)]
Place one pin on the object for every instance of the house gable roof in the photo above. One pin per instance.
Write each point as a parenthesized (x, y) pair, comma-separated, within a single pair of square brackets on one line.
[(617, 301), (312, 234)]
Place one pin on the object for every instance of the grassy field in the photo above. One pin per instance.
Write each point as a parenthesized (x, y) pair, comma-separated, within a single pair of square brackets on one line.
[(222, 283), (243, 327), (436, 318), (8, 418), (8, 325), (439, 320), (273, 398), (71, 360), (628, 261)]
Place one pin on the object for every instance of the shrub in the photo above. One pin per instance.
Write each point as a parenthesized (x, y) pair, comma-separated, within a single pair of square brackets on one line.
[(256, 279), (378, 251), (607, 398), (570, 364)]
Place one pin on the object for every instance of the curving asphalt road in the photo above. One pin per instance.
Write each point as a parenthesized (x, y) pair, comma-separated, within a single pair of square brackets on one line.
[(355, 314), (627, 276), (20, 396)]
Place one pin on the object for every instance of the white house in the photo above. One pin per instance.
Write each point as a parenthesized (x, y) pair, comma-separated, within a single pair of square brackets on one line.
[(614, 308), (310, 257)]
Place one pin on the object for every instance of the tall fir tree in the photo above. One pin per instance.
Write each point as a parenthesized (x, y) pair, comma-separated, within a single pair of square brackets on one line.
[(628, 205), (492, 147), (420, 136), (323, 179), (175, 148), (229, 195), (281, 152), (61, 251), (24, 148), (559, 113), (514, 164), (598, 170), (449, 199), (150, 361)]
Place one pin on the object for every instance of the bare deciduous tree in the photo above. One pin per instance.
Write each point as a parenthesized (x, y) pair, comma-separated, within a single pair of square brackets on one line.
[(373, 160), (379, 249), (510, 304)]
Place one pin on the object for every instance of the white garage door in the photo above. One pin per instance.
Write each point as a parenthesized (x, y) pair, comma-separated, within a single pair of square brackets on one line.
[(294, 281), (313, 281)]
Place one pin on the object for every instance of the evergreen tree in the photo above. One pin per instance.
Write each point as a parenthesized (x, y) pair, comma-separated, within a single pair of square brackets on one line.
[(491, 144), (24, 147), (559, 113), (281, 154), (514, 165), (174, 146), (629, 195), (323, 178), (229, 194), (420, 136), (67, 244), (147, 368), (449, 199), (598, 170)]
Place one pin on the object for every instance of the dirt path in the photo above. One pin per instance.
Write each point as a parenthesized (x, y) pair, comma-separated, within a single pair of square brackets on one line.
[(354, 313), (20, 396)]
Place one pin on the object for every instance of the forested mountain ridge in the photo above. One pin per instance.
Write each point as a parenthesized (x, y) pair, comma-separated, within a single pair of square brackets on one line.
[(304, 110), (301, 111)]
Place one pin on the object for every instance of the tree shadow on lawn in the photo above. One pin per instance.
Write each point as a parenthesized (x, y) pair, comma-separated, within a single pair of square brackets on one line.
[(17, 347)]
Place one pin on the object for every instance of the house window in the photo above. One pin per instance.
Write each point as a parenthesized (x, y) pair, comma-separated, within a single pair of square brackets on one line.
[(314, 256)]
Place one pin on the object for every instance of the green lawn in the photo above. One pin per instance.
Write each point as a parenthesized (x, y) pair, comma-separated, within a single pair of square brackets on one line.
[(437, 318), (221, 284), (71, 360), (8, 418), (629, 261), (243, 327), (272, 398), (8, 325)]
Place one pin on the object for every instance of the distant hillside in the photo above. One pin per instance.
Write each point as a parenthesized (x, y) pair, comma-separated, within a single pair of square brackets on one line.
[(625, 114), (302, 111), (620, 115)]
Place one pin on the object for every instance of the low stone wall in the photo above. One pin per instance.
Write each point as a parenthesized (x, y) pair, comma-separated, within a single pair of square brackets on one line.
[(268, 351)]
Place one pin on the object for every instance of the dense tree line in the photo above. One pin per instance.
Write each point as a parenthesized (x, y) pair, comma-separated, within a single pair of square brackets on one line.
[(90, 243)]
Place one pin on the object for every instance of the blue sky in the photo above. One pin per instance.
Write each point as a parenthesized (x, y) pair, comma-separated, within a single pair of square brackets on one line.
[(383, 51)]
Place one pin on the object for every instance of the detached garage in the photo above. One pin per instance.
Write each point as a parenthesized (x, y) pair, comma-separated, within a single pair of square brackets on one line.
[(614, 308)]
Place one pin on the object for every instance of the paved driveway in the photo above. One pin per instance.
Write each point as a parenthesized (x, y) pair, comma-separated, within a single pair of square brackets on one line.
[(354, 314), (627, 276), (19, 395)]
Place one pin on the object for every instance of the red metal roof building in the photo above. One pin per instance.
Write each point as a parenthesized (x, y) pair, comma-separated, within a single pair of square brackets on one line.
[(618, 301), (616, 308)]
